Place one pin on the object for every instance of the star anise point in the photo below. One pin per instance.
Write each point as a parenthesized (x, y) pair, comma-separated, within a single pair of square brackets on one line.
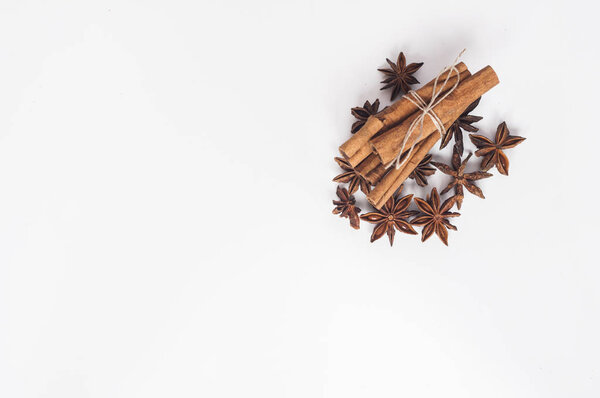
[(422, 171), (392, 216), (461, 179), (346, 207), (399, 76), (434, 217), (464, 122), (352, 177), (492, 153), (362, 113)]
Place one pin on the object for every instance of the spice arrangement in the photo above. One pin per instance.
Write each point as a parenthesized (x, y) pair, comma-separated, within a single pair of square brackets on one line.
[(391, 145)]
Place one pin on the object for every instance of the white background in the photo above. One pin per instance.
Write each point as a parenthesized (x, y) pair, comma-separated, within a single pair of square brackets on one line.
[(165, 204)]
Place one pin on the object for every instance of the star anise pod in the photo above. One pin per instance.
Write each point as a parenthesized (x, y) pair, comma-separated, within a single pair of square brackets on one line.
[(463, 122), (434, 217), (352, 177), (400, 75), (460, 178), (393, 215), (345, 207), (422, 171), (492, 153), (362, 113)]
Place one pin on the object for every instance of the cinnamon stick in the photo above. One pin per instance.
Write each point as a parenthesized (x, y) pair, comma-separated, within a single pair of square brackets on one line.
[(368, 165), (389, 144), (395, 177), (356, 149), (362, 153), (376, 174)]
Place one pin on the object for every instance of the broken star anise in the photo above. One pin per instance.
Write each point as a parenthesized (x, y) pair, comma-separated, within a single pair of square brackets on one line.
[(464, 122), (433, 217), (352, 177), (460, 178), (492, 153), (400, 77), (422, 171), (362, 113), (393, 215), (345, 207)]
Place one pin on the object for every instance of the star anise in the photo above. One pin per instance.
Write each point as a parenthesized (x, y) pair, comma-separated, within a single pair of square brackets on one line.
[(345, 207), (422, 171), (492, 153), (393, 215), (352, 177), (460, 178), (400, 75), (463, 122), (363, 113), (433, 217)]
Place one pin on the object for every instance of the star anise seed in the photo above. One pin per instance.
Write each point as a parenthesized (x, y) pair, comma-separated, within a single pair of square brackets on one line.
[(352, 177), (345, 207), (393, 215), (363, 113), (460, 178), (493, 154), (433, 217), (422, 171), (400, 77), (464, 122)]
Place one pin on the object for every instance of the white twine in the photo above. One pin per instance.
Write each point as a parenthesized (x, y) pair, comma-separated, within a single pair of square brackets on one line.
[(427, 110)]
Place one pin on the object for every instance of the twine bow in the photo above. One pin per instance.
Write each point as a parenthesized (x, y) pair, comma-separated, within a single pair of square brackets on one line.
[(427, 110)]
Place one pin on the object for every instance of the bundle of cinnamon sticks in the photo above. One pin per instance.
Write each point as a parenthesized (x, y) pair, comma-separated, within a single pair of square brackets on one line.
[(387, 136)]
